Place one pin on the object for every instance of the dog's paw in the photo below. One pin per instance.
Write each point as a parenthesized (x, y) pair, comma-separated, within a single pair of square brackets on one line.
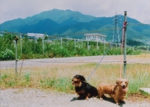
[(101, 98), (87, 98), (117, 103)]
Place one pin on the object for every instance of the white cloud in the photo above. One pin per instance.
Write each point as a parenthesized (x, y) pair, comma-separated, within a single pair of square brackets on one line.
[(138, 9)]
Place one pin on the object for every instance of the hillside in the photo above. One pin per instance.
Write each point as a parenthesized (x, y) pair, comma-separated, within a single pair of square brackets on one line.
[(60, 22)]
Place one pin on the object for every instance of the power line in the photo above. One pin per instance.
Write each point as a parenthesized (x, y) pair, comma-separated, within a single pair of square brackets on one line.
[(137, 24), (101, 58)]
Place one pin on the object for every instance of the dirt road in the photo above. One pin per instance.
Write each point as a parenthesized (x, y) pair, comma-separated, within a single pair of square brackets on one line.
[(87, 59), (45, 98)]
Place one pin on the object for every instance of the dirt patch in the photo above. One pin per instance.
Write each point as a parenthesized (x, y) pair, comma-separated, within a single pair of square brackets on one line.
[(48, 98)]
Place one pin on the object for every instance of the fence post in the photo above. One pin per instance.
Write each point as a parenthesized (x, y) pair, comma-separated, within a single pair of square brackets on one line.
[(61, 42), (88, 45), (104, 47), (21, 44), (43, 43), (16, 60), (74, 42), (0, 69), (97, 45)]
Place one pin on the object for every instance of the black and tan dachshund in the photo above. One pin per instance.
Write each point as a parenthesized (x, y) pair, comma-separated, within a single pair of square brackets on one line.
[(83, 89)]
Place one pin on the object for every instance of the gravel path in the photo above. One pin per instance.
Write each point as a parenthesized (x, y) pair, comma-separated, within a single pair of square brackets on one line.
[(44, 98)]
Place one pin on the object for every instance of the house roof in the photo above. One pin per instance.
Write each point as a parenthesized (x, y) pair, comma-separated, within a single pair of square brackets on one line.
[(37, 35), (94, 34)]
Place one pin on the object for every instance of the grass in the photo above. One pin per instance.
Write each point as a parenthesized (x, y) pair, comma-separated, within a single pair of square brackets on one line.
[(58, 77)]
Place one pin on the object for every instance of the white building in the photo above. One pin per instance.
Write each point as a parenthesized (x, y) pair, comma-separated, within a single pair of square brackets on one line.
[(95, 37), (35, 35)]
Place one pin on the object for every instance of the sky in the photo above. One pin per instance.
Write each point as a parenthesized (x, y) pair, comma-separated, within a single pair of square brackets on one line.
[(137, 9)]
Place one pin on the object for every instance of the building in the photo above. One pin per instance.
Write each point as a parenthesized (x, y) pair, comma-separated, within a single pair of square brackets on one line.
[(35, 35), (95, 37)]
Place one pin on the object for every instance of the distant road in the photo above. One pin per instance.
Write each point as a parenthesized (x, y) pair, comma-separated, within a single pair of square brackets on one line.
[(88, 59)]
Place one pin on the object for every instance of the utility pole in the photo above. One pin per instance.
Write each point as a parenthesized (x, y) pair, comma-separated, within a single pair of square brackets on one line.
[(116, 38), (124, 41), (115, 32)]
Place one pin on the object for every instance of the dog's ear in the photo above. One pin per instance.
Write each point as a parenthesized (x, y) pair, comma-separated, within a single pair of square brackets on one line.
[(126, 81), (118, 81), (82, 78)]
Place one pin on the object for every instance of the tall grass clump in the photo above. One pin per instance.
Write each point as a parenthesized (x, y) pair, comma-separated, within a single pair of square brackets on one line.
[(45, 80), (138, 80), (27, 77), (15, 80), (60, 84), (6, 82)]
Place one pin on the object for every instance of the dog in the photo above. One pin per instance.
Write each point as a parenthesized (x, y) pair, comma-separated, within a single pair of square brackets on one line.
[(117, 92), (83, 89)]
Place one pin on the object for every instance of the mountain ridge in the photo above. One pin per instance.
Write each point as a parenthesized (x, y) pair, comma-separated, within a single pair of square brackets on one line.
[(60, 22)]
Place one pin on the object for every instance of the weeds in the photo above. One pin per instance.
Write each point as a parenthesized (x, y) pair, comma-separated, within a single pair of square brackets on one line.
[(27, 77), (138, 80), (59, 77)]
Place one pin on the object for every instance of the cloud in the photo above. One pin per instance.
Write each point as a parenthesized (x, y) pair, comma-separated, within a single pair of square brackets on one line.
[(138, 9)]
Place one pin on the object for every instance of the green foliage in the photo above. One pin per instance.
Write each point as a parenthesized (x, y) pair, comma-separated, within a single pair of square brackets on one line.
[(4, 76), (142, 79), (34, 48), (134, 43), (114, 51), (7, 54), (47, 83), (11, 83), (27, 77), (5, 79), (60, 84), (132, 51), (63, 84)]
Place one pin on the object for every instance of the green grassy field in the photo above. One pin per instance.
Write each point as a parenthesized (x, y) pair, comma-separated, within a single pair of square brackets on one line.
[(58, 76)]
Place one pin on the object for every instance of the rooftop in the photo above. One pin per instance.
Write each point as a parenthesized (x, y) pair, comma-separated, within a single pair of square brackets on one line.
[(94, 34)]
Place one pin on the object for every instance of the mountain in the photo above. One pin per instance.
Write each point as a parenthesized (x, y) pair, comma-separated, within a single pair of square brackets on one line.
[(49, 27), (70, 23)]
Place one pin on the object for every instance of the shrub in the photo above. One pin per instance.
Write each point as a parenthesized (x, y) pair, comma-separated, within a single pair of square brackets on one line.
[(7, 54)]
